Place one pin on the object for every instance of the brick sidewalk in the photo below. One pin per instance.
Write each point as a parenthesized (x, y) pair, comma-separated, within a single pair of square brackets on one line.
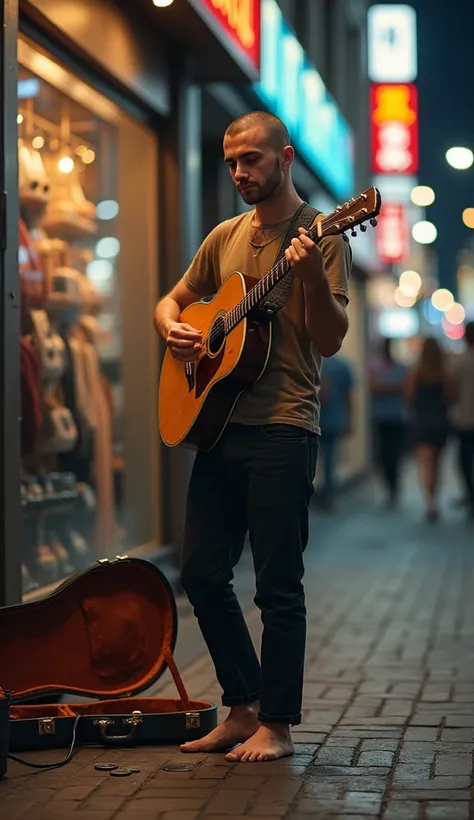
[(389, 699)]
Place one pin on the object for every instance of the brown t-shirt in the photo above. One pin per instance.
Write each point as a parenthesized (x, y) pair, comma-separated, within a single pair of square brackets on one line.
[(288, 391)]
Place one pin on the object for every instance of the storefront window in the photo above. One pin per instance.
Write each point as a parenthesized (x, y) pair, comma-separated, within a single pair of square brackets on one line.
[(73, 143)]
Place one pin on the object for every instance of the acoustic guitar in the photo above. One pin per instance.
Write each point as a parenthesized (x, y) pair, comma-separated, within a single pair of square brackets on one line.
[(196, 399)]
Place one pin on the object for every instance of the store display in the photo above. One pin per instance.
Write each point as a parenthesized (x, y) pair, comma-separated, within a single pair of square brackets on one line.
[(67, 486), (69, 215)]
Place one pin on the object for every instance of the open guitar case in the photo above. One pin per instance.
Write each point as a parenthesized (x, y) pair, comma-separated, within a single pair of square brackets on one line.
[(106, 634)]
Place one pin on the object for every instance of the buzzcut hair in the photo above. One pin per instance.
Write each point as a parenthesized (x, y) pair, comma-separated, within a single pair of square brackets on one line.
[(274, 129)]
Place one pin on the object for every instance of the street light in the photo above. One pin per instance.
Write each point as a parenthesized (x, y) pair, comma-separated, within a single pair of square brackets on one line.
[(468, 217), (424, 232), (422, 195), (460, 158), (442, 299)]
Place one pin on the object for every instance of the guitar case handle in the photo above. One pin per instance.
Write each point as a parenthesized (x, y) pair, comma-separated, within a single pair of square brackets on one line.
[(110, 740)]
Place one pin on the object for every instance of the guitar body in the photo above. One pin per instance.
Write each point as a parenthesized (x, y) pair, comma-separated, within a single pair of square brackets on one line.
[(196, 402)]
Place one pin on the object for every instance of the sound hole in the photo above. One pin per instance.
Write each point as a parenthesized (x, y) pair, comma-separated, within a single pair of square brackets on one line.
[(217, 335)]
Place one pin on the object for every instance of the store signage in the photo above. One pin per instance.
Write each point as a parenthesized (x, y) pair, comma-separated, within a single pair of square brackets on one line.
[(392, 234), (237, 24), (292, 89), (394, 115), (392, 44)]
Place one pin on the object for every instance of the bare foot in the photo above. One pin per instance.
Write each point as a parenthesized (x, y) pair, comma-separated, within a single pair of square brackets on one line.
[(270, 742), (240, 724)]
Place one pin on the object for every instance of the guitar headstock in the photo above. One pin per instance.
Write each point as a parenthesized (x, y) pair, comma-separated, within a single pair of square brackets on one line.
[(360, 209)]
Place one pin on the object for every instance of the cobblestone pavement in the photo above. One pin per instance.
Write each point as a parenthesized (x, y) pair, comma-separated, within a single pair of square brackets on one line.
[(388, 727)]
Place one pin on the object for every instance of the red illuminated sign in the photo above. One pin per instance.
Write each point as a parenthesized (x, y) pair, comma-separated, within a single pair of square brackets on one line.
[(394, 116), (392, 234), (239, 21)]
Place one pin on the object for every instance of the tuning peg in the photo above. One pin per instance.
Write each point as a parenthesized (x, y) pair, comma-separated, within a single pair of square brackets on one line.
[(353, 232), (373, 222), (363, 228)]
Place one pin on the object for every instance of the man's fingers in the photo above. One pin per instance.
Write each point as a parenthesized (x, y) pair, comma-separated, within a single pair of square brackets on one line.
[(298, 248), (181, 333)]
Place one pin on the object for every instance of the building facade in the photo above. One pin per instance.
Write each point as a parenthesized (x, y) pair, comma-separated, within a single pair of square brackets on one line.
[(111, 162)]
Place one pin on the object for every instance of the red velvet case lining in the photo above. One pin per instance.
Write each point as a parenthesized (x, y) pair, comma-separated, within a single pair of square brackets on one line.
[(109, 632)]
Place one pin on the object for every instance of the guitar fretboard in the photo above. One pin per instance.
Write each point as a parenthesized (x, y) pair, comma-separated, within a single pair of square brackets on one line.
[(255, 295)]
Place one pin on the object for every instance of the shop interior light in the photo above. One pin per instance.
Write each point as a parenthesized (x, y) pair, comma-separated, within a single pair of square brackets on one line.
[(468, 217), (162, 4), (66, 165), (108, 247), (410, 283), (38, 142), (81, 150), (107, 209), (460, 158), (88, 156), (455, 314), (442, 299), (403, 299), (422, 195), (19, 119), (424, 232)]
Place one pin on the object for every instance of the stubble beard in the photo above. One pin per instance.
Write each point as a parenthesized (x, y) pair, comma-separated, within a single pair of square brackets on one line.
[(263, 192)]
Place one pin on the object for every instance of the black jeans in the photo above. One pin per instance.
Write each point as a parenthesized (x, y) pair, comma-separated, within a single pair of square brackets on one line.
[(257, 480), (390, 447), (466, 461)]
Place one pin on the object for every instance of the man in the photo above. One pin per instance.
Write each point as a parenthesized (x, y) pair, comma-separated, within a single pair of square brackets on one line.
[(336, 417), (463, 416), (258, 478)]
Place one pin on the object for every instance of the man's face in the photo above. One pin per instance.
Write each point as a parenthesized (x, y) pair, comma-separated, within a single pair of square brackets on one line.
[(257, 170)]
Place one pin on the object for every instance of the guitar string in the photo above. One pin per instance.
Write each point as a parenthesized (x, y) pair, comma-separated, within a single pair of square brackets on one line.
[(254, 295)]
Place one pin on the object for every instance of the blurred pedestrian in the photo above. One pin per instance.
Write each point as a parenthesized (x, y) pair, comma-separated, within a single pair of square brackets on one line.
[(429, 393), (463, 415), (336, 418), (387, 378)]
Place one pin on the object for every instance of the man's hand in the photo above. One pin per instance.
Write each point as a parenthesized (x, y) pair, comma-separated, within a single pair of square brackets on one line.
[(184, 341), (306, 259)]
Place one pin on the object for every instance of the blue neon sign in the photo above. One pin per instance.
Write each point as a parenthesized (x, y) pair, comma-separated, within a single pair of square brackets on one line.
[(291, 87)]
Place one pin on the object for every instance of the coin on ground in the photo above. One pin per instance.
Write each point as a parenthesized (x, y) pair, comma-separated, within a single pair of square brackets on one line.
[(178, 767), (133, 769), (106, 767), (121, 772)]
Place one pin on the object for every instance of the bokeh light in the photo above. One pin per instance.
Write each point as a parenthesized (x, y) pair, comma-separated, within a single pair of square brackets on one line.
[(38, 142), (442, 299), (410, 283), (108, 247), (66, 165), (403, 299), (460, 158), (468, 217), (455, 314), (452, 331), (424, 232), (422, 195)]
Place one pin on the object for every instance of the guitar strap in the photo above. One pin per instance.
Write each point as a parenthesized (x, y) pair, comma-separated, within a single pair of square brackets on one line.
[(303, 218)]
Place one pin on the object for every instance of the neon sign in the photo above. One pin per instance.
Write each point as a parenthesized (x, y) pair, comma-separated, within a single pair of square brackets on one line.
[(237, 23), (292, 89), (394, 113)]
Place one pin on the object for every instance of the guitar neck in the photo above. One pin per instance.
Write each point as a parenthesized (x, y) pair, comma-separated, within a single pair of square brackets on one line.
[(259, 291)]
